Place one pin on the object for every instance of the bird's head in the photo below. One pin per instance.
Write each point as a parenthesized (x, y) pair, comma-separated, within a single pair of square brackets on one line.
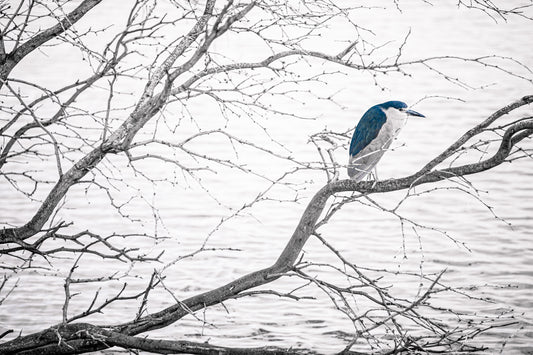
[(400, 106)]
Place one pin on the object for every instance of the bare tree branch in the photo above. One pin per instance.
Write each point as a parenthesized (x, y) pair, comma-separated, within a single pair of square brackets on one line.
[(10, 60)]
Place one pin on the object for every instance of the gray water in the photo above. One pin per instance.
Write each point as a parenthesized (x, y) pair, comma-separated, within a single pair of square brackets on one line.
[(497, 260)]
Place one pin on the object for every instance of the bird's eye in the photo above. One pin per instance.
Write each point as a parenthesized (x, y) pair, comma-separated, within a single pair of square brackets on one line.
[(402, 109)]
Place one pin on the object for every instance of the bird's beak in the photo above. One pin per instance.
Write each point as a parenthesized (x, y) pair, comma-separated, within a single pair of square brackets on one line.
[(414, 113)]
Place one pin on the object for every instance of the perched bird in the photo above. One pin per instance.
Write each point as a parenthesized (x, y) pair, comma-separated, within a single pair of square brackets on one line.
[(374, 134)]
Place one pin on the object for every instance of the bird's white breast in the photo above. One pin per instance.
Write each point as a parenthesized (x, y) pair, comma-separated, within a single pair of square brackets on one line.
[(390, 129), (395, 122)]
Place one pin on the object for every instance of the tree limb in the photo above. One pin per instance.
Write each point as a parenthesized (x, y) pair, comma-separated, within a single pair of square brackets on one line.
[(19, 52), (74, 339)]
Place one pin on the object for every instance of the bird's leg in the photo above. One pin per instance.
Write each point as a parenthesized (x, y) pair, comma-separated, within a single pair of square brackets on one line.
[(335, 176), (375, 175)]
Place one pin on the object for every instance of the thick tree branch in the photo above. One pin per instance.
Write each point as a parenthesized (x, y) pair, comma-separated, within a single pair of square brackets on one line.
[(19, 52)]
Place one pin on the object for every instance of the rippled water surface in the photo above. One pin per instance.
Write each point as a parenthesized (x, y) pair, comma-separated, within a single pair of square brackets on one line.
[(498, 257)]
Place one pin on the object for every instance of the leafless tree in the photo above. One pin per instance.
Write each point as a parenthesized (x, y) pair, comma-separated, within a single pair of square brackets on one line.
[(133, 101)]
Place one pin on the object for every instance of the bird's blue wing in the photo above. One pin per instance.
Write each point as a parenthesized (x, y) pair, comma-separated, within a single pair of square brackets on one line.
[(367, 129)]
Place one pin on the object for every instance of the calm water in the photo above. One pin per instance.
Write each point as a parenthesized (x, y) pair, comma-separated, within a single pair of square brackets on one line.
[(499, 261)]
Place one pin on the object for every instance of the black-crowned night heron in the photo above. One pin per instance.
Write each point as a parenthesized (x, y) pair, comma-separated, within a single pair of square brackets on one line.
[(374, 134)]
